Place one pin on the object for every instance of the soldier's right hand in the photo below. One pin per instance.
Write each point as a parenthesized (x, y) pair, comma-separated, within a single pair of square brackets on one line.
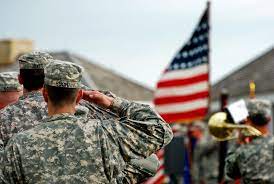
[(98, 98)]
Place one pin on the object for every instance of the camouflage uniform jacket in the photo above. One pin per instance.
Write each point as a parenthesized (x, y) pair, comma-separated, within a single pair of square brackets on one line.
[(205, 163), (26, 113), (252, 162), (73, 149), (31, 108)]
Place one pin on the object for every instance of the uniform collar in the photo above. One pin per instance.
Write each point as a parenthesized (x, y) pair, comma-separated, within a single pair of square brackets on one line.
[(60, 117), (258, 138), (30, 95), (81, 113)]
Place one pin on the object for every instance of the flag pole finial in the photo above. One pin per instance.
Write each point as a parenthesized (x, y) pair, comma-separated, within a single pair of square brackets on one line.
[(252, 89)]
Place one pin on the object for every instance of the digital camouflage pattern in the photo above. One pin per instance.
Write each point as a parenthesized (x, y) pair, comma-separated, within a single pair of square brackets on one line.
[(31, 109), (74, 149), (34, 60), (26, 113), (205, 162), (252, 162), (150, 164), (13, 125), (9, 82), (63, 74), (258, 107), (139, 170), (136, 171)]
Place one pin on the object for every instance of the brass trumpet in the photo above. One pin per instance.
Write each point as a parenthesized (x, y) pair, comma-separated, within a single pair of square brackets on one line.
[(223, 130)]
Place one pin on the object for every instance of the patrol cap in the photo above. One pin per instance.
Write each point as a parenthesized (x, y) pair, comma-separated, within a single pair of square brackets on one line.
[(9, 82), (259, 111), (63, 74), (34, 60)]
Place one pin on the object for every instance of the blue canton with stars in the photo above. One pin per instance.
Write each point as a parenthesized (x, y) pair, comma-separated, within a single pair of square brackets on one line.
[(196, 51)]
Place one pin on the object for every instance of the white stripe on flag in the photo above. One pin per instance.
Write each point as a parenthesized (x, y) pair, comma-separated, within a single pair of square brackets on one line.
[(182, 107), (159, 174), (185, 73), (180, 91)]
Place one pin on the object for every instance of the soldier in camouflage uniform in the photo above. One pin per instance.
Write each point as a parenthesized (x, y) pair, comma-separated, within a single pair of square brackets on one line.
[(76, 149), (29, 109), (205, 163), (253, 162), (10, 89), (136, 171)]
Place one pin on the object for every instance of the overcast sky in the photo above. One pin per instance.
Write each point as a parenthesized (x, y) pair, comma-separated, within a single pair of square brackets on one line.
[(138, 38)]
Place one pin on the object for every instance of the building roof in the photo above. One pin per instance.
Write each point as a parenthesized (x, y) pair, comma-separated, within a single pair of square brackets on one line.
[(260, 70), (99, 77), (106, 79)]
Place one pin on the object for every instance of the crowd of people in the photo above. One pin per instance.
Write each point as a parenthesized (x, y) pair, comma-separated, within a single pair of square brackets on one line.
[(251, 159), (57, 132), (54, 130), (248, 160)]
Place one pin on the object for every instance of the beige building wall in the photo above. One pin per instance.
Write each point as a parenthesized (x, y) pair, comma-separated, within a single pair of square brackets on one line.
[(11, 48)]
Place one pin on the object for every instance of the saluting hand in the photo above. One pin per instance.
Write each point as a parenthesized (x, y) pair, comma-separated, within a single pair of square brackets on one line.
[(98, 98)]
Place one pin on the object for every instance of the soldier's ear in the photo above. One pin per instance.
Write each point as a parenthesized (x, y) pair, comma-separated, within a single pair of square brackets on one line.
[(79, 96), (45, 94)]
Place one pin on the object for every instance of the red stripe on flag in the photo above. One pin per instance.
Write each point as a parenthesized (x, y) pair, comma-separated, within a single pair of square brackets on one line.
[(161, 167), (176, 99), (181, 82), (172, 117), (160, 179)]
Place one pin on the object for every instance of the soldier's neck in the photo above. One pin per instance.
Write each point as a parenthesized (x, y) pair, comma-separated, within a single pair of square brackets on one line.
[(53, 110), (25, 91)]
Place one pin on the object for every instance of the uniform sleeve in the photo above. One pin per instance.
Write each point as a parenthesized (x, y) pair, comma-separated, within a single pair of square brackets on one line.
[(135, 174), (4, 135), (12, 167), (137, 171), (2, 178), (197, 161), (139, 131), (231, 167)]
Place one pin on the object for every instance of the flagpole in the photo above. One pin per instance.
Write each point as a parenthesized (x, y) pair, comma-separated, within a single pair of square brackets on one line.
[(208, 4)]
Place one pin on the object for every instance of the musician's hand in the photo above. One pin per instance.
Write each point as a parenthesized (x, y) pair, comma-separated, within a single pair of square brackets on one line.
[(98, 98), (243, 139)]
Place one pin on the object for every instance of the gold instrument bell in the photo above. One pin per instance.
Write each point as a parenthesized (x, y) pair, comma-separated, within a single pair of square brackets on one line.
[(222, 130)]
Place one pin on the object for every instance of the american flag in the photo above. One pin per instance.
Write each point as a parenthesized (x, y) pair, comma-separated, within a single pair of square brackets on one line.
[(183, 89)]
